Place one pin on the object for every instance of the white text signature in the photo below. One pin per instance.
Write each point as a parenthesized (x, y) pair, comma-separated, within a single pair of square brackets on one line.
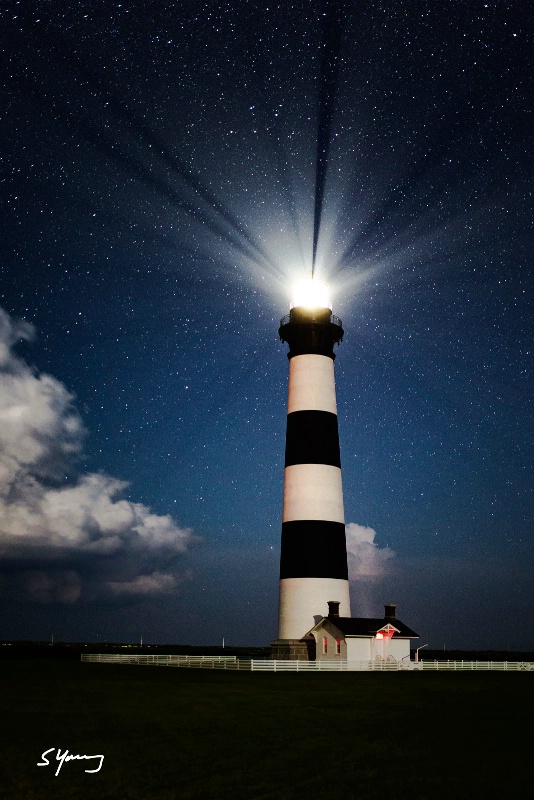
[(66, 756)]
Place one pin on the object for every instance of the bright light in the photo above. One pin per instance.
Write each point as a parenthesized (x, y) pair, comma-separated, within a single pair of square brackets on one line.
[(311, 294)]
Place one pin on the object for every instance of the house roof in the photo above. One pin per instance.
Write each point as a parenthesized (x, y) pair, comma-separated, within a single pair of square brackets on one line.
[(363, 626)]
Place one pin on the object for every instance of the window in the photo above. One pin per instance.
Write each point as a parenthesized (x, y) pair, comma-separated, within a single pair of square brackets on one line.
[(325, 644), (338, 646)]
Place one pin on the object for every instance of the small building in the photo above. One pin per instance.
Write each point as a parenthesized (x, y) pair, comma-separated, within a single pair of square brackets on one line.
[(359, 638)]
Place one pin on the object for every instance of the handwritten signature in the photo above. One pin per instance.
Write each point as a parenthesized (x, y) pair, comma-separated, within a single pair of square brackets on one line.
[(66, 756)]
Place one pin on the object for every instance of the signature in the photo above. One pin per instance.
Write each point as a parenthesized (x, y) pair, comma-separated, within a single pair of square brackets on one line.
[(66, 756)]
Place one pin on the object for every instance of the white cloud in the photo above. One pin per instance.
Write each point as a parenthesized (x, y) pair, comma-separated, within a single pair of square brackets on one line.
[(366, 560), (11, 332), (40, 430), (50, 518)]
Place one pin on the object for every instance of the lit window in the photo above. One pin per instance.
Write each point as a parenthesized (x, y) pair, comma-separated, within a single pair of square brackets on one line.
[(338, 646), (325, 644)]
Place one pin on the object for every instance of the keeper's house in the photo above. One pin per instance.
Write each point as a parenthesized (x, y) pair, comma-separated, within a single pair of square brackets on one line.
[(359, 638)]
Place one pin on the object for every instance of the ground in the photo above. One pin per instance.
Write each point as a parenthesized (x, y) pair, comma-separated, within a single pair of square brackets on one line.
[(169, 733)]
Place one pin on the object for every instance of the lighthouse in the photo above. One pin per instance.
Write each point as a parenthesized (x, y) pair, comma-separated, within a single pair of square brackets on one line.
[(313, 559)]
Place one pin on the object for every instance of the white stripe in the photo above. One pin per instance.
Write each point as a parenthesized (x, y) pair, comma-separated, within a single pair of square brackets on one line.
[(301, 599), (313, 491), (311, 384)]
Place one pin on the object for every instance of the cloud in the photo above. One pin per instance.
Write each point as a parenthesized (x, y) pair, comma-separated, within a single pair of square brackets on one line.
[(40, 430), (57, 527), (157, 583), (62, 587), (371, 569), (366, 560)]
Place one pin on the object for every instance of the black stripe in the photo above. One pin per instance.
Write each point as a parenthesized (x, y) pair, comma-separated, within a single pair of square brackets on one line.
[(312, 438), (313, 549), (311, 331)]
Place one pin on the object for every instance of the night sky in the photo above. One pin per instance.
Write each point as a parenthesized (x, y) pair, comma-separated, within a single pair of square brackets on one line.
[(168, 170)]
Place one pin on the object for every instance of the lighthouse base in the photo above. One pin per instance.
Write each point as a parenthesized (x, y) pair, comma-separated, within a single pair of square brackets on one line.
[(289, 650)]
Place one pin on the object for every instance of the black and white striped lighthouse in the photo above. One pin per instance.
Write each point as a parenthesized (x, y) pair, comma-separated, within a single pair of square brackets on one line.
[(313, 561)]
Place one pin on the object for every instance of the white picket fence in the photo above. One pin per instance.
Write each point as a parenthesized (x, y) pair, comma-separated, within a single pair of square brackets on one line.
[(211, 662), (506, 666), (328, 666), (271, 665), (387, 666)]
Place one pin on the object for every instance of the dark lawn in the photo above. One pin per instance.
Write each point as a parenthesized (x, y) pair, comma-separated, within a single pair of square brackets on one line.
[(181, 733)]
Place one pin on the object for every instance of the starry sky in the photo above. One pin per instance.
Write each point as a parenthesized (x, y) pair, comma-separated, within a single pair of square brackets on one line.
[(168, 170)]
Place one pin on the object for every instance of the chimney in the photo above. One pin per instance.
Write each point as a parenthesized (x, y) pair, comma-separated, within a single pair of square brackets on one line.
[(333, 608), (389, 611)]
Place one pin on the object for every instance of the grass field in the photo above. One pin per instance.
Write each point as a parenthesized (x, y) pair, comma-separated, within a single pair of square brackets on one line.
[(171, 734)]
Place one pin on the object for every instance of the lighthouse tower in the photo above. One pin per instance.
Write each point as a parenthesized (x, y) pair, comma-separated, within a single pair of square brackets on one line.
[(313, 561)]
